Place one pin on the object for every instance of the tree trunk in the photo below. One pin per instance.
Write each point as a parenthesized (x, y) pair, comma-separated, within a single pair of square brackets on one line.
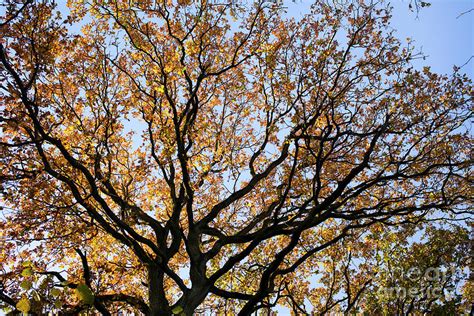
[(156, 294)]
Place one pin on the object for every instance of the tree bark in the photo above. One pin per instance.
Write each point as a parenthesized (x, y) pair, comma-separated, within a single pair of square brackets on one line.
[(156, 294)]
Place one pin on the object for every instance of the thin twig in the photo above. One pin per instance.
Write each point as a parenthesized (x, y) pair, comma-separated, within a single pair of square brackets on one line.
[(465, 12)]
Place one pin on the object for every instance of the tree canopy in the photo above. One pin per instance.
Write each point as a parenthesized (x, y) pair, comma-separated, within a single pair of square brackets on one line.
[(191, 157)]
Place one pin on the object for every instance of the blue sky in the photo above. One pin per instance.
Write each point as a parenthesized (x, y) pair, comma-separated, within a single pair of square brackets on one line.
[(443, 35), (446, 38)]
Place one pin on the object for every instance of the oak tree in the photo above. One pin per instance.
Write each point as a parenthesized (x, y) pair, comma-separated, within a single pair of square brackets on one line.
[(186, 157)]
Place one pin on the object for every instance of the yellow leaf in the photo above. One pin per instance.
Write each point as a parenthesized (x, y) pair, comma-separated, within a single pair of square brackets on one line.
[(27, 264), (23, 305)]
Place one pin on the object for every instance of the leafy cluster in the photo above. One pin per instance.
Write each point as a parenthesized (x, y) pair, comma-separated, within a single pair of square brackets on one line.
[(182, 157)]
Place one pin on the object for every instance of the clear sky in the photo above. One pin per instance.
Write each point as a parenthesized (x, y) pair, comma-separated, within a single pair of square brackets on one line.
[(438, 30), (445, 36)]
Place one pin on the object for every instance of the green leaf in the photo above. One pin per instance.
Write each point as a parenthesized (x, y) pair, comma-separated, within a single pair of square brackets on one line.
[(26, 285), (177, 310), (23, 305), (27, 272), (58, 304), (55, 292), (84, 293)]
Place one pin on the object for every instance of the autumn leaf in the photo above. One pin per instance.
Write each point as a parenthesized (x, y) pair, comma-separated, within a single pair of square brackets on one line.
[(186, 156), (23, 305)]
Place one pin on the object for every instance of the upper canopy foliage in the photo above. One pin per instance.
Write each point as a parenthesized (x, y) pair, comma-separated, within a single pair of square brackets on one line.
[(190, 156)]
